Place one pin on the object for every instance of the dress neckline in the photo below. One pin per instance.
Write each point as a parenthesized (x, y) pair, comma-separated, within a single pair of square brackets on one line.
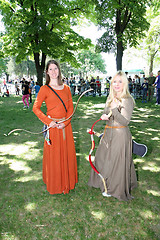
[(57, 88)]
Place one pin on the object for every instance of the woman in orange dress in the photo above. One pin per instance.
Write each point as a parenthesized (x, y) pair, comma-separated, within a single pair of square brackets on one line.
[(59, 155)]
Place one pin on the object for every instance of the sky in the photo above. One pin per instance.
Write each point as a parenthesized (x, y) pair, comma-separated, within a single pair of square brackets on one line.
[(93, 33)]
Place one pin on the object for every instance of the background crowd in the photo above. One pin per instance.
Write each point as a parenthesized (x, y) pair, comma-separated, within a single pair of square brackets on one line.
[(144, 88)]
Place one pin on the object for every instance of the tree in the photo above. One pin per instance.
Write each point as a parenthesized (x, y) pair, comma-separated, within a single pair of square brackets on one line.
[(26, 67), (68, 70), (152, 40), (3, 62), (43, 28), (3, 66), (91, 61), (124, 23), (88, 62)]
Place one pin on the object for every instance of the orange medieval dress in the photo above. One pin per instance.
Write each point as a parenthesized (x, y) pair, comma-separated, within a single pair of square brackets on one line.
[(59, 158)]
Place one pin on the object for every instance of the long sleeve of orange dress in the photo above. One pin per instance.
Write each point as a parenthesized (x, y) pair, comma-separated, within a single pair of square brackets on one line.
[(59, 158)]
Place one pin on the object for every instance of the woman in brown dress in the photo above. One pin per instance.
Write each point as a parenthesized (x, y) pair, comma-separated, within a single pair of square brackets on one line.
[(59, 155), (113, 158)]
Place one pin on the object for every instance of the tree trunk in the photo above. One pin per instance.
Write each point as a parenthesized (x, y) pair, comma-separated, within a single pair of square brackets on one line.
[(119, 29), (152, 56), (7, 77), (39, 67), (119, 55), (151, 63)]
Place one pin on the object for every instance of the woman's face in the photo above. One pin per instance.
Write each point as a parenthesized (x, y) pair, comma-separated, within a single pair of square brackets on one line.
[(118, 84), (53, 71)]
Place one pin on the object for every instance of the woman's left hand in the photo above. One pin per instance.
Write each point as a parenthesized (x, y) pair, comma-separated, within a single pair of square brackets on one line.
[(61, 126), (114, 103)]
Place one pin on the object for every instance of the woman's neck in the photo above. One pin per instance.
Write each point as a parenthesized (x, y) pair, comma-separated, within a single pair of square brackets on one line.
[(54, 82), (118, 95)]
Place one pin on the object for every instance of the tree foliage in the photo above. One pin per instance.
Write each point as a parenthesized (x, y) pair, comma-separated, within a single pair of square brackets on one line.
[(3, 66), (124, 23), (151, 43), (43, 28), (91, 61), (67, 70), (88, 61), (25, 67), (3, 62)]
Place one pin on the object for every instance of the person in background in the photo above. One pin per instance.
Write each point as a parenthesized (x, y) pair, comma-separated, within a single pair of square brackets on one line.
[(113, 158), (30, 91), (59, 155), (107, 87), (157, 84), (151, 80), (130, 85), (22, 84), (17, 88), (6, 93), (72, 86), (137, 87), (36, 88), (79, 86), (4, 82), (142, 79), (32, 83), (98, 86), (83, 85), (87, 85), (145, 90), (67, 81), (25, 94), (93, 86), (134, 89)]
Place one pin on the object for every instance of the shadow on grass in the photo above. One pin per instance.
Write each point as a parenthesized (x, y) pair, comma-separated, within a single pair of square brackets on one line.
[(29, 212)]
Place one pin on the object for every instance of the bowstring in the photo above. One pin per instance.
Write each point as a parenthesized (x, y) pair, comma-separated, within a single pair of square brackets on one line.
[(19, 129)]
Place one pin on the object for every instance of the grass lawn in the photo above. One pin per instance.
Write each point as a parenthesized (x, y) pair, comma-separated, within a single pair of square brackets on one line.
[(29, 212)]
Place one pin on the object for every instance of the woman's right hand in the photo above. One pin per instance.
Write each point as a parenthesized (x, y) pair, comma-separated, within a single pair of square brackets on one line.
[(104, 117), (53, 124)]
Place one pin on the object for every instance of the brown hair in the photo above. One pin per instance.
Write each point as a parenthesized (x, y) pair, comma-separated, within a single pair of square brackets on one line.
[(59, 76)]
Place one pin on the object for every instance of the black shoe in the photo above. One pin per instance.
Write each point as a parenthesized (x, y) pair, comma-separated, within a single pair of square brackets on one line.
[(139, 149)]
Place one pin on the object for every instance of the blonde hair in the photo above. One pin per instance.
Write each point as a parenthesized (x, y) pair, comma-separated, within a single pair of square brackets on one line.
[(125, 92)]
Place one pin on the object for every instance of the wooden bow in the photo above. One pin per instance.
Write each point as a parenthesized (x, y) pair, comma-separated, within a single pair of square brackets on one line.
[(91, 132), (61, 121)]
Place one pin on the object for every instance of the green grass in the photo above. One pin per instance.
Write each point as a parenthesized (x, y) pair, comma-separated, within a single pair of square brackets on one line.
[(28, 211)]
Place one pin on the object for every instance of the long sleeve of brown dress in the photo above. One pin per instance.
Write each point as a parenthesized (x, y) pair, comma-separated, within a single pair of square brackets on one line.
[(59, 158), (113, 158)]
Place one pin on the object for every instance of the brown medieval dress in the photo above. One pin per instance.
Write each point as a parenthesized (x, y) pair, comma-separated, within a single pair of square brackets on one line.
[(113, 158), (59, 158)]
